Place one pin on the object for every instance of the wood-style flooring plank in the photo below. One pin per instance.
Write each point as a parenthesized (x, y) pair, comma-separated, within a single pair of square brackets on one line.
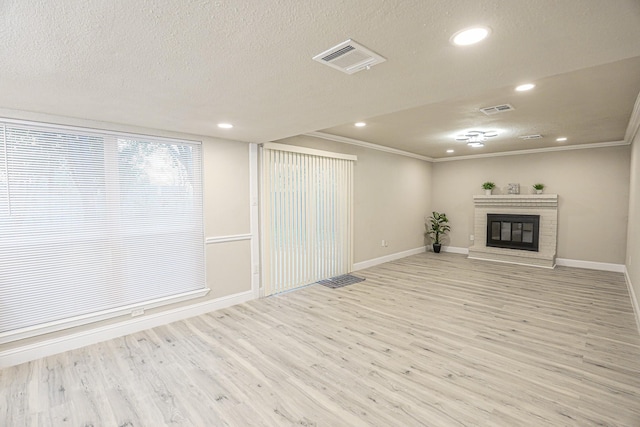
[(427, 340)]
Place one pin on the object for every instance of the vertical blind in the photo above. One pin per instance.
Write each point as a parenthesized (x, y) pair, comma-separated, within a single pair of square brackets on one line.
[(91, 221), (307, 215)]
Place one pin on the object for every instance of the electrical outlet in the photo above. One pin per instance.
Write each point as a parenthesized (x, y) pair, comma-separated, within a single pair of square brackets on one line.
[(471, 237), (137, 312), (383, 244)]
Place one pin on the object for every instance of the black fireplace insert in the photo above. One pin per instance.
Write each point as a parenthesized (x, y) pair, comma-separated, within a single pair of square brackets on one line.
[(513, 231)]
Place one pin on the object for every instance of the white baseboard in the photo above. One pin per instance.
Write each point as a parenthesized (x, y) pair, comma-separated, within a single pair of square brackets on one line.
[(373, 262), (455, 250), (591, 265), (501, 261), (53, 346), (634, 298)]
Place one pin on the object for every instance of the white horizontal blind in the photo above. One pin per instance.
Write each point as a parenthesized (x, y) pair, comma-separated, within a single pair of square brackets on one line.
[(92, 221), (307, 218)]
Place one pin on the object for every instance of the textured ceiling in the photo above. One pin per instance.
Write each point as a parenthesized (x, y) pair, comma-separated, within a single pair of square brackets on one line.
[(187, 65), (587, 106)]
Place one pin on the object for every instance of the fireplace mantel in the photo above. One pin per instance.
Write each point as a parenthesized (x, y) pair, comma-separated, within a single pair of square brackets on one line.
[(517, 200), (544, 205)]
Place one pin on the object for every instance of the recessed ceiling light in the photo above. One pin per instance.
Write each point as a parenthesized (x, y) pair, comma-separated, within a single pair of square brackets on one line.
[(561, 139), (361, 124), (525, 87), (225, 125), (450, 151), (470, 36)]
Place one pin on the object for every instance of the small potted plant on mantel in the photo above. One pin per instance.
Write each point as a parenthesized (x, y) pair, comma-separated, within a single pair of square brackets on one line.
[(538, 188), (488, 186), (436, 228)]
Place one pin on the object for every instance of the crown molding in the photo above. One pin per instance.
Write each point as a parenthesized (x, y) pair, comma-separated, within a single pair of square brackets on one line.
[(372, 146), (634, 122), (535, 151), (369, 145)]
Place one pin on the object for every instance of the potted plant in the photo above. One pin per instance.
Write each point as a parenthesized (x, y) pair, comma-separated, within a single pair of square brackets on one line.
[(538, 188), (436, 228), (488, 186)]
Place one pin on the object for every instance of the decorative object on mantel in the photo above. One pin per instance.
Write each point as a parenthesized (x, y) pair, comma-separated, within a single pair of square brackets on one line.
[(488, 186), (436, 228), (538, 188), (514, 188)]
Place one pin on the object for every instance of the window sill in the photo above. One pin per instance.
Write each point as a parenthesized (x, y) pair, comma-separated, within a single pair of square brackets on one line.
[(45, 328)]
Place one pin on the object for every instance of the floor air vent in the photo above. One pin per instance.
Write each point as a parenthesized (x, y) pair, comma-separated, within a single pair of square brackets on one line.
[(340, 281), (349, 57), (489, 111)]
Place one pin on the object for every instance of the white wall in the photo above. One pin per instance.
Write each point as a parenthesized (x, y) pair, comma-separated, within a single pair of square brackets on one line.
[(392, 196), (633, 229), (227, 213), (592, 187)]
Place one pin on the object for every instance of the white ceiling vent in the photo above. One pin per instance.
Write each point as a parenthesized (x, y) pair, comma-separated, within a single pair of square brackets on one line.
[(489, 111), (349, 57), (526, 137)]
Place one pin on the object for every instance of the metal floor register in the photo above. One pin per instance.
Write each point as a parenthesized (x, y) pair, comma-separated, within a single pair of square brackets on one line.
[(340, 281)]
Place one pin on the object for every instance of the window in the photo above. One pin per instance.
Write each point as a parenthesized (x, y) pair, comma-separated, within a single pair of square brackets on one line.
[(93, 224)]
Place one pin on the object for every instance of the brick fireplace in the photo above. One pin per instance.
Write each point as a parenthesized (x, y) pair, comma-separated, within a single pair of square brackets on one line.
[(544, 206)]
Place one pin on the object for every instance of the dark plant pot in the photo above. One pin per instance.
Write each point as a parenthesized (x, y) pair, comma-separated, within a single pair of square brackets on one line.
[(437, 247)]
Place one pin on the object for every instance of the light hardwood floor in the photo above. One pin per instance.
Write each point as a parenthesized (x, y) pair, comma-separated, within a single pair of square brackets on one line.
[(436, 340)]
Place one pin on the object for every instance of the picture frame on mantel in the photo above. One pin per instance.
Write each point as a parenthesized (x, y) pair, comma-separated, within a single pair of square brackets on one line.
[(513, 188)]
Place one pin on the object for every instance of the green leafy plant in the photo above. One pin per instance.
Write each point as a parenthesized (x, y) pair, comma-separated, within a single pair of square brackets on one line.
[(488, 185), (538, 186), (437, 226)]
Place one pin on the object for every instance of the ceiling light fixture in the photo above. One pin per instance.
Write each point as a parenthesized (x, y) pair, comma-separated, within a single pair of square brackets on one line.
[(525, 87), (470, 36), (476, 138), (450, 151), (225, 125), (562, 139), (360, 124)]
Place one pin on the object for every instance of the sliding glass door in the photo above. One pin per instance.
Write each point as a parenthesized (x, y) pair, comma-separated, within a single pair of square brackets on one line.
[(307, 215)]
